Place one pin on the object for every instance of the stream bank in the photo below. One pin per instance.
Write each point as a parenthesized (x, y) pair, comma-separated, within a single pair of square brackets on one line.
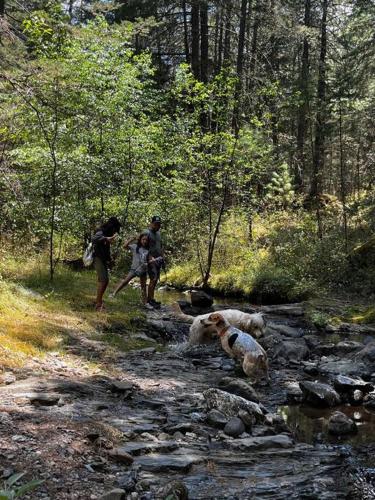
[(155, 416)]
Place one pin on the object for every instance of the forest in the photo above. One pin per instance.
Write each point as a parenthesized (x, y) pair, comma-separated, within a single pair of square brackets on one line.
[(247, 126)]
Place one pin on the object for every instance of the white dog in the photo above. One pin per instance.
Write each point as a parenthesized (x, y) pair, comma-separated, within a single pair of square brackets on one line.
[(202, 333), (241, 346)]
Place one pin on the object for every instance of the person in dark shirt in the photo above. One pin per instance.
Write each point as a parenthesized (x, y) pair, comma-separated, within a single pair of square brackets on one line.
[(102, 239), (157, 253)]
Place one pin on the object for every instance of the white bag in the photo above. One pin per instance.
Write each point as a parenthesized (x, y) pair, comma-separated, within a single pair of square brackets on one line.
[(88, 255)]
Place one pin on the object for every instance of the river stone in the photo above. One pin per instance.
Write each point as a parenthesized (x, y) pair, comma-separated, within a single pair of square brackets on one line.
[(136, 448), (339, 424), (119, 455), (348, 384), (230, 405), (44, 399), (121, 386), (217, 419), (319, 394), (367, 354), (295, 350), (357, 397), (175, 490), (348, 346), (239, 387), (235, 427), (369, 401), (287, 331), (344, 367), (285, 309), (261, 443), (116, 494), (164, 463), (199, 298), (294, 393)]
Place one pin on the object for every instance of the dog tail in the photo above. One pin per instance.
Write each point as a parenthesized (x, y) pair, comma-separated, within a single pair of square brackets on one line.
[(177, 312)]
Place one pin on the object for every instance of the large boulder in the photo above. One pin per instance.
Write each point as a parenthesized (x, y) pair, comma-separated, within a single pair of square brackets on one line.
[(292, 350), (339, 424), (319, 394), (239, 387), (230, 405), (199, 298)]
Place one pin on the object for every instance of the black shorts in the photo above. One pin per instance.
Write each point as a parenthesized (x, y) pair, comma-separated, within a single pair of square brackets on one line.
[(154, 271)]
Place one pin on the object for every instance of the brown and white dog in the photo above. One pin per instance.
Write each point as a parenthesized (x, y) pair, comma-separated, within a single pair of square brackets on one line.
[(241, 346), (202, 332)]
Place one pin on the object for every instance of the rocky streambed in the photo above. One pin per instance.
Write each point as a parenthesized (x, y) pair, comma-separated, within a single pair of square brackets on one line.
[(182, 422)]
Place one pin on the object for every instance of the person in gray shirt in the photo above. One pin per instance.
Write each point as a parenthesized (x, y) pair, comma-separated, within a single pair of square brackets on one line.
[(141, 259), (157, 254)]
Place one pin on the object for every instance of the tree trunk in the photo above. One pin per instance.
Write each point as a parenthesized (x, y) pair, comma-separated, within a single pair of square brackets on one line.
[(343, 181), (2, 7), (204, 41), (195, 64), (227, 36), (303, 108), (254, 43), (186, 33), (220, 42), (319, 146), (240, 61)]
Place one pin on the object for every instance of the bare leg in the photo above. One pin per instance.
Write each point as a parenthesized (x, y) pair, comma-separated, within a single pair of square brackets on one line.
[(143, 280), (151, 289), (101, 288), (123, 283)]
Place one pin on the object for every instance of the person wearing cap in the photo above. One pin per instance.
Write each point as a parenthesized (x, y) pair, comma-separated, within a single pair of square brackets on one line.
[(102, 239), (155, 252)]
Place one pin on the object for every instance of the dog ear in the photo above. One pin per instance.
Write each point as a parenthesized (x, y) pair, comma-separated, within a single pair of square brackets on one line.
[(214, 317)]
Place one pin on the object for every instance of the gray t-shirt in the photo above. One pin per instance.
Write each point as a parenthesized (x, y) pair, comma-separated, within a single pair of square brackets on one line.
[(139, 261), (155, 243)]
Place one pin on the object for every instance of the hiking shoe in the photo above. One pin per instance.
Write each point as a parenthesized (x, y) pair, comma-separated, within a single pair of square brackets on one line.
[(149, 306)]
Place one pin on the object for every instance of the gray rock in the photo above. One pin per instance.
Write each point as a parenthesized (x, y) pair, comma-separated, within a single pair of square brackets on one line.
[(116, 494), (164, 463), (326, 349), (285, 309), (239, 387), (369, 401), (357, 397), (44, 399), (343, 383), (247, 419), (121, 386), (344, 367), (339, 424), (262, 443), (199, 298), (217, 419), (367, 354), (286, 330), (128, 481), (230, 405), (346, 346), (119, 455), (292, 350), (175, 490), (136, 448), (294, 393), (318, 394), (235, 427)]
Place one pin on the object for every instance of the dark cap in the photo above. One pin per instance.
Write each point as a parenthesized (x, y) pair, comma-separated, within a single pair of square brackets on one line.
[(156, 218)]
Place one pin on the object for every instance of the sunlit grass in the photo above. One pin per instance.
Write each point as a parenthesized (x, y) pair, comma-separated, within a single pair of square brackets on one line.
[(37, 315)]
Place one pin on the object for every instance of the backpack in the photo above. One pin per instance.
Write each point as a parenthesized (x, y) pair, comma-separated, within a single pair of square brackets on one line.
[(88, 255)]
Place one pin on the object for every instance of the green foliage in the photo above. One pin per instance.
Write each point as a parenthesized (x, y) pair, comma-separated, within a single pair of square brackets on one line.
[(11, 490), (280, 191)]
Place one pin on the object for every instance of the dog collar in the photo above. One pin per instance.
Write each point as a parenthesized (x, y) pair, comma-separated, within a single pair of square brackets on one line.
[(222, 332)]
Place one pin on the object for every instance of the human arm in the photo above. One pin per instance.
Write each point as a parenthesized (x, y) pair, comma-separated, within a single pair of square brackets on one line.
[(129, 241), (100, 238)]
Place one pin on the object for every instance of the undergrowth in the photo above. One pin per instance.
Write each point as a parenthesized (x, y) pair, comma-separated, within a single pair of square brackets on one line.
[(37, 315)]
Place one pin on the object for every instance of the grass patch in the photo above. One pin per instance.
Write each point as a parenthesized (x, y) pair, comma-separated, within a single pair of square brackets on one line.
[(36, 315)]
